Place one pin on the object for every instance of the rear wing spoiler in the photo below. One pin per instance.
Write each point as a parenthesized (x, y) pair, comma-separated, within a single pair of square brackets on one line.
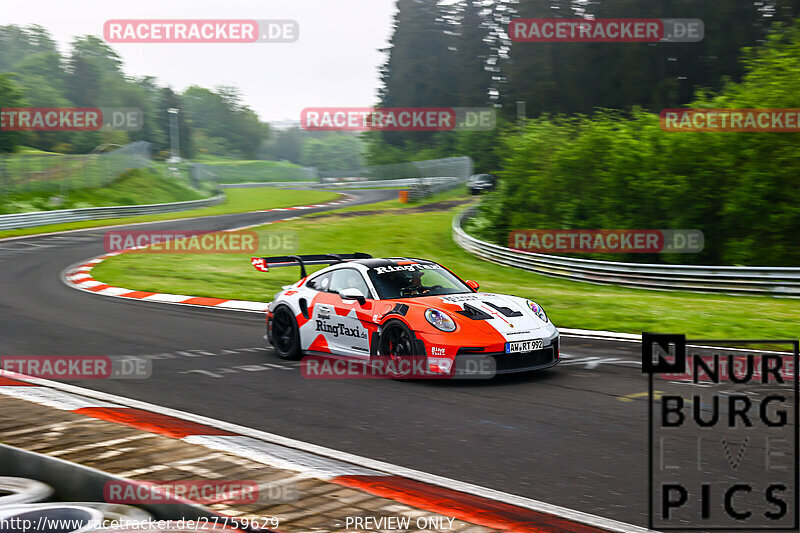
[(263, 264)]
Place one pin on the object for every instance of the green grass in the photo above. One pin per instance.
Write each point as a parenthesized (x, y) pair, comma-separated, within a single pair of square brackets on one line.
[(459, 193), (135, 188), (34, 171), (427, 235), (132, 188), (243, 171), (237, 201), (27, 150)]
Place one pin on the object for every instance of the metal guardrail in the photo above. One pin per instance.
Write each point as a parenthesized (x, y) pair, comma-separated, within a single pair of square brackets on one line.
[(42, 218), (775, 281), (410, 183), (460, 167), (417, 187), (268, 184), (377, 184)]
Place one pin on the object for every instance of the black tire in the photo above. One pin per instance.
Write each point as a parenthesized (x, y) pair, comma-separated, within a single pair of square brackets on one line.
[(285, 334), (396, 348)]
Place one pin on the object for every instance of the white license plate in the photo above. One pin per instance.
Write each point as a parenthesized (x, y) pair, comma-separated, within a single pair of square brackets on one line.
[(524, 346)]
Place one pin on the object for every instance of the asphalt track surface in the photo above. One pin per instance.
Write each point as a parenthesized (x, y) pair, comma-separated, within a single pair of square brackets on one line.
[(566, 436)]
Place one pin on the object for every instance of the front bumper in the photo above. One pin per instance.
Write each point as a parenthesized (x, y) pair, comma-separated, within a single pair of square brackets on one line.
[(482, 363)]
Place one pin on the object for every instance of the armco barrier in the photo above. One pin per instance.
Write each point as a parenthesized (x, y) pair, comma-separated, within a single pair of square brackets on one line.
[(418, 188), (776, 281), (42, 218), (268, 184)]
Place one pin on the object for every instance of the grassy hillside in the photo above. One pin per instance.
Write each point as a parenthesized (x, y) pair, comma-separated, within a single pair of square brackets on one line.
[(136, 187)]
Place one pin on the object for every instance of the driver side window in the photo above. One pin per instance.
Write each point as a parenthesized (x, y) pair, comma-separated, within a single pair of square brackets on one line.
[(320, 283), (348, 278)]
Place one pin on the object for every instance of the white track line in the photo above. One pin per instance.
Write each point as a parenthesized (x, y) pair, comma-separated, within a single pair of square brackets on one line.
[(632, 337), (365, 462)]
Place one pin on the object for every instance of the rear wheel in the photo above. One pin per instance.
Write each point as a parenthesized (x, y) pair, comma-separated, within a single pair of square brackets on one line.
[(285, 333)]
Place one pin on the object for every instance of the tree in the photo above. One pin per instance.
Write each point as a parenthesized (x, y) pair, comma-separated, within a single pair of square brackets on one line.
[(285, 145), (472, 54), (337, 151), (168, 99), (419, 70), (224, 122), (10, 96), (17, 43)]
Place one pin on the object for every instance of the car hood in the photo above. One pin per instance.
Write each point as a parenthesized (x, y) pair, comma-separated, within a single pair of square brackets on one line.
[(508, 315)]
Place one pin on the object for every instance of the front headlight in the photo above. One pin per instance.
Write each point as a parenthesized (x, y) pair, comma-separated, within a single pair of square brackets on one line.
[(538, 310), (440, 320)]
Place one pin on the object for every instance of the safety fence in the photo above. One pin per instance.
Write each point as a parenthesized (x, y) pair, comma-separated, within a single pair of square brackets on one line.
[(256, 172), (418, 188), (42, 218), (457, 167), (776, 281), (58, 174)]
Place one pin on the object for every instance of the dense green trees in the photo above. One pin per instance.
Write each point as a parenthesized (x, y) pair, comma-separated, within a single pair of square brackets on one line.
[(457, 53), (327, 151), (10, 96), (592, 153), (616, 170), (91, 75)]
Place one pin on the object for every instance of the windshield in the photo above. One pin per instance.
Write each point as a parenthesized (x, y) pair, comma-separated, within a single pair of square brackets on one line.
[(411, 281)]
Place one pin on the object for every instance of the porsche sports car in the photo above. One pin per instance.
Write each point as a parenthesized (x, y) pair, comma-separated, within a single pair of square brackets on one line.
[(364, 308)]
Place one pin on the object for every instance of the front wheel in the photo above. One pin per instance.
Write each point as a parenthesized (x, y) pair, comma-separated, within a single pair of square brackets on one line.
[(396, 351), (285, 334)]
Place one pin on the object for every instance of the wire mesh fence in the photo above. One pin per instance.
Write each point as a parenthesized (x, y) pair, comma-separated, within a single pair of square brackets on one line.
[(258, 172), (454, 167), (57, 174)]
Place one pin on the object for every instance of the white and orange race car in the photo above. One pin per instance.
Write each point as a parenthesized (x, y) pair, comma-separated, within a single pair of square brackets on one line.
[(390, 309)]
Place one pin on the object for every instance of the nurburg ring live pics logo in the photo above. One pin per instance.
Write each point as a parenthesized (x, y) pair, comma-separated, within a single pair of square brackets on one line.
[(723, 443)]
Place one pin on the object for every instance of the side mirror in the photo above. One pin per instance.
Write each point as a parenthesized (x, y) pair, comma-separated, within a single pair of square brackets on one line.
[(474, 285), (352, 294)]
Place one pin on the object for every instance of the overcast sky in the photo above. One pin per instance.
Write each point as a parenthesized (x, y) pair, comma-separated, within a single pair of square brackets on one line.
[(334, 63)]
